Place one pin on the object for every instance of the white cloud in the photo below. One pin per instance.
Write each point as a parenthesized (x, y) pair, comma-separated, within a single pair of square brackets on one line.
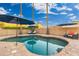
[(63, 8), (69, 9), (75, 20), (13, 4), (10, 9), (40, 21), (44, 17), (77, 6), (71, 14), (41, 7), (3, 11), (18, 15), (63, 13), (14, 14), (73, 17)]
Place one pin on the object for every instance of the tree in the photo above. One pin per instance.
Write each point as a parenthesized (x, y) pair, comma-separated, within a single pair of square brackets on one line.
[(47, 30)]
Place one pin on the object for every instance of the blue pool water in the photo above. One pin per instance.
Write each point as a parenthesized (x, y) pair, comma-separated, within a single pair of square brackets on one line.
[(40, 45)]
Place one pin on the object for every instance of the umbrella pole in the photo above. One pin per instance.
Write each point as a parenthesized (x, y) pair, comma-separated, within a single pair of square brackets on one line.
[(17, 31), (16, 27), (20, 29)]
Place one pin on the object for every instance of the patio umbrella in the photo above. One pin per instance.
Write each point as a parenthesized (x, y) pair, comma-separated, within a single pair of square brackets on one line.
[(71, 26), (13, 19)]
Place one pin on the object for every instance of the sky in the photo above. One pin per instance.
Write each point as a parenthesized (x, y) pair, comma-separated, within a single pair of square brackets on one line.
[(58, 13)]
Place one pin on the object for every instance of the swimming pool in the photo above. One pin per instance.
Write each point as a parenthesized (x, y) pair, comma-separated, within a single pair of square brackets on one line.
[(40, 45)]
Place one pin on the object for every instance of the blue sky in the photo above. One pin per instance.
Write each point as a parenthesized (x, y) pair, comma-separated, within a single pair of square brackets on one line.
[(58, 13)]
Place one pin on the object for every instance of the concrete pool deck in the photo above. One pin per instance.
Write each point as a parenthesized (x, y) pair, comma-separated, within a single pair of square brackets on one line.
[(10, 48)]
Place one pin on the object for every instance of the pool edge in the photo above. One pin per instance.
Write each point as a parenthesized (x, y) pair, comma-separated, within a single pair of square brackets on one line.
[(27, 52)]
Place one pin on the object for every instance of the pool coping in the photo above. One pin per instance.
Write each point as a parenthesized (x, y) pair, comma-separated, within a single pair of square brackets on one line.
[(26, 52)]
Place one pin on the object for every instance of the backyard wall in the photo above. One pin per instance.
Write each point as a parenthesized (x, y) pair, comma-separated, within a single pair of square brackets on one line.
[(52, 30), (75, 29), (7, 32), (55, 30)]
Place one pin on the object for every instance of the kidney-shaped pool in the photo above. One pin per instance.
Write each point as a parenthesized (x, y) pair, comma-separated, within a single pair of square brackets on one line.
[(40, 45)]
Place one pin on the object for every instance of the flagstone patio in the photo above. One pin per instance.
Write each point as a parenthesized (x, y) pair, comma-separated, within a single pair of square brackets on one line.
[(11, 49)]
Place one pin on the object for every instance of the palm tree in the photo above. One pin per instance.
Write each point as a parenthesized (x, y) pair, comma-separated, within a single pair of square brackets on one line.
[(32, 11), (47, 30), (32, 28), (20, 16)]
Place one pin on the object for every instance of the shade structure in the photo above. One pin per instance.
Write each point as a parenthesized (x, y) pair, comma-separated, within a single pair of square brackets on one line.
[(17, 20), (69, 25), (13, 19), (72, 26)]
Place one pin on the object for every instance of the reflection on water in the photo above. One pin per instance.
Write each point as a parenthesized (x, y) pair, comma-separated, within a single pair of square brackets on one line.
[(40, 45), (43, 46), (31, 42)]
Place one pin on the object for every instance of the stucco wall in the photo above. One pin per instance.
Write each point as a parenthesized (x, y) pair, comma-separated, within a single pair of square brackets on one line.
[(6, 32), (58, 30), (52, 31)]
